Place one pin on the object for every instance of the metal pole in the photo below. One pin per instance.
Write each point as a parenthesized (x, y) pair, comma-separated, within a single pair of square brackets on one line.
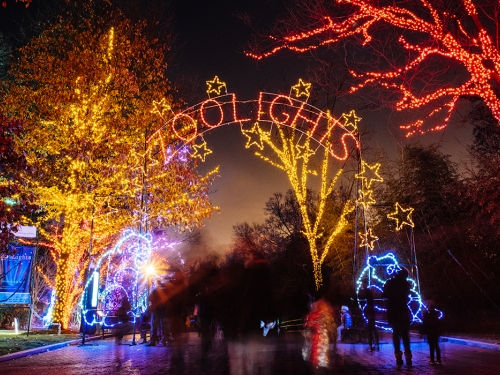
[(354, 270), (144, 206), (33, 265), (135, 316), (83, 322), (415, 265)]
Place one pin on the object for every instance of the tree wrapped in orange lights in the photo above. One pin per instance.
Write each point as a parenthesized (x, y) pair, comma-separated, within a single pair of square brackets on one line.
[(448, 51), (85, 89), (292, 152)]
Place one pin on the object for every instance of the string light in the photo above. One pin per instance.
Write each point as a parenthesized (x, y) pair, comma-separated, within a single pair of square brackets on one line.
[(291, 154), (365, 198), (126, 260), (369, 174), (161, 108), (451, 45), (377, 271), (201, 151), (351, 121), (368, 239), (279, 109), (47, 319), (304, 151), (86, 142), (216, 86), (302, 89), (294, 160), (402, 216), (254, 136)]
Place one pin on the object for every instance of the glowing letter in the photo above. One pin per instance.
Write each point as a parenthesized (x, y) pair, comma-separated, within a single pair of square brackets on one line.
[(271, 108), (189, 129), (202, 113), (235, 116)]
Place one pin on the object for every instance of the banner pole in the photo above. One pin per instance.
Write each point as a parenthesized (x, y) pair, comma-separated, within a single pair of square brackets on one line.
[(33, 269)]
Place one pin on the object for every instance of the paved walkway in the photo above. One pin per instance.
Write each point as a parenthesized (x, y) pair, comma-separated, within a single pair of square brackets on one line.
[(257, 355)]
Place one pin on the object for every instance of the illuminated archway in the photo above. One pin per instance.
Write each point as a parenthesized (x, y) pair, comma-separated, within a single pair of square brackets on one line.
[(339, 135), (283, 130)]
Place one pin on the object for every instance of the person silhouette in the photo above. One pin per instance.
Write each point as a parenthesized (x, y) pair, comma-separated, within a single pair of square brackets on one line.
[(369, 312), (397, 293)]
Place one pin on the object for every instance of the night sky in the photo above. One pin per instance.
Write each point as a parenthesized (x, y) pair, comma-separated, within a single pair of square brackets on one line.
[(210, 41), (214, 39)]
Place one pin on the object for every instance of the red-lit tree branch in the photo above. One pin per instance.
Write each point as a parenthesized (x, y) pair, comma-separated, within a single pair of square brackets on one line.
[(427, 31), (26, 3)]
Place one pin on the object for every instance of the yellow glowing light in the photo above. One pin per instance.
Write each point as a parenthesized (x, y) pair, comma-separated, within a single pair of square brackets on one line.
[(402, 216), (161, 107), (254, 136), (351, 121), (94, 128), (368, 239), (369, 174), (149, 270), (110, 43), (201, 151), (365, 198), (302, 89), (216, 86), (304, 151), (295, 160)]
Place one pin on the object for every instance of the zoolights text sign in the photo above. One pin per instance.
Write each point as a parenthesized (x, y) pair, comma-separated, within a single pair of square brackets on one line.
[(283, 130), (272, 109)]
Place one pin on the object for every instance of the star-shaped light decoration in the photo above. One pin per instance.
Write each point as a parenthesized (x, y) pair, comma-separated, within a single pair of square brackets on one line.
[(216, 86), (254, 136), (201, 151), (304, 151), (402, 216), (368, 239), (351, 121), (365, 198), (107, 209), (161, 107), (369, 173), (302, 89)]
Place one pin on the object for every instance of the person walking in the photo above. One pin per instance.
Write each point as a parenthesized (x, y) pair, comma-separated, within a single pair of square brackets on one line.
[(397, 292), (157, 300), (369, 311), (144, 326), (432, 328), (319, 327), (175, 291)]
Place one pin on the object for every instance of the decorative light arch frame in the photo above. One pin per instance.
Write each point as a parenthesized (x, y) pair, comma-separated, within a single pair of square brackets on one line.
[(190, 125), (136, 248)]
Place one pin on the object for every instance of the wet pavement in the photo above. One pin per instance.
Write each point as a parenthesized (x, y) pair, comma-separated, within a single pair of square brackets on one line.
[(254, 356)]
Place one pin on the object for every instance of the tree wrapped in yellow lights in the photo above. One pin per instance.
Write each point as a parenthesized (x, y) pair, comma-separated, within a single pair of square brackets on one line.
[(85, 90), (292, 152)]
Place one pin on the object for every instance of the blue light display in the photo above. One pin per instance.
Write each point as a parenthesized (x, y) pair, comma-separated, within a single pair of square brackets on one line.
[(377, 271), (120, 269)]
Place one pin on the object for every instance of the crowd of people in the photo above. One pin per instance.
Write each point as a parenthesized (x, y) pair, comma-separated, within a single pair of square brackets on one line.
[(321, 326), (167, 316), (166, 310)]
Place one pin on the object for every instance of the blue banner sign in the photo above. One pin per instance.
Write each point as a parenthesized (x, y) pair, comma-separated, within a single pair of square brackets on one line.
[(15, 275)]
